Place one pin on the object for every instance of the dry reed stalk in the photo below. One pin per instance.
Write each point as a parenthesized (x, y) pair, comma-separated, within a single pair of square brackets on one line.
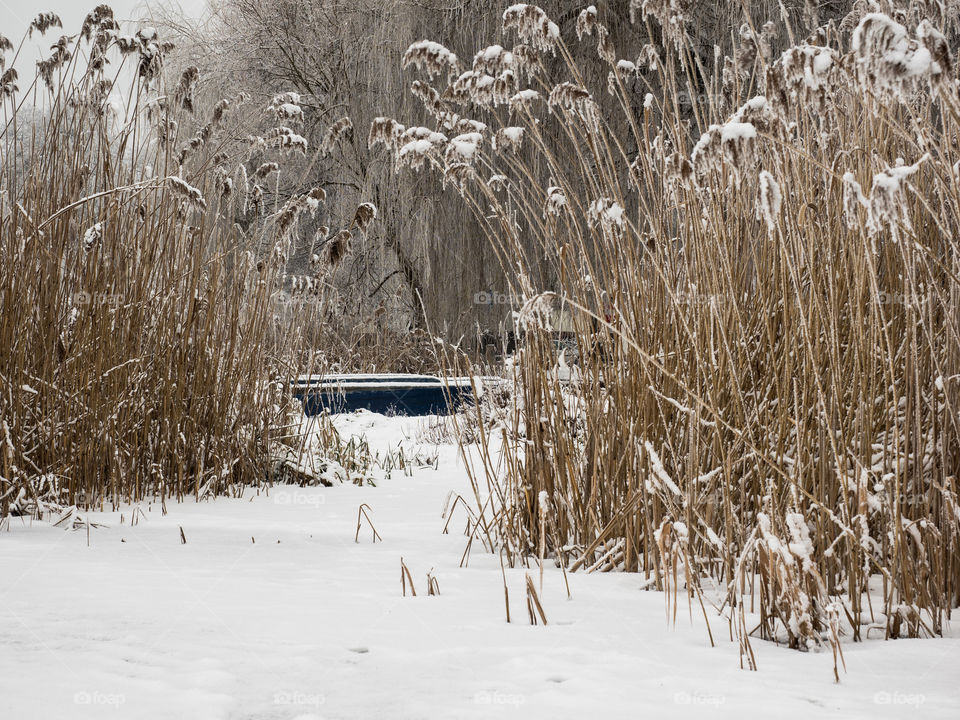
[(506, 590), (362, 514), (406, 577), (433, 585), (534, 608)]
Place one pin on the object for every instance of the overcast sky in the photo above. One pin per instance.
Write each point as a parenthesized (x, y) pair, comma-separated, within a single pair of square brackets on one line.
[(16, 15)]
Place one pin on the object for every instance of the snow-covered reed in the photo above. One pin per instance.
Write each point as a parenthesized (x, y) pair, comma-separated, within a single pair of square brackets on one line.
[(146, 333), (764, 288)]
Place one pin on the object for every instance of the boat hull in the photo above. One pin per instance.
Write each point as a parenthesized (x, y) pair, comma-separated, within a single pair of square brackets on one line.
[(414, 395)]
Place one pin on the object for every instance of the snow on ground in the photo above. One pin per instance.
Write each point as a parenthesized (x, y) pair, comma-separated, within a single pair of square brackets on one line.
[(306, 623)]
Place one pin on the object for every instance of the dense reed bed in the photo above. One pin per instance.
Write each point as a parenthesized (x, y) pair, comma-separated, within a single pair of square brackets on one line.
[(147, 326), (758, 255)]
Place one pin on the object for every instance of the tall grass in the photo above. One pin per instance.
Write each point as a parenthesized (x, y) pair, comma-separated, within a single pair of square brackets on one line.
[(765, 289), (145, 338)]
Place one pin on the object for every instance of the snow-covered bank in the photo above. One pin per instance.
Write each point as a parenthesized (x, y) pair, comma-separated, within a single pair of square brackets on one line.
[(271, 610)]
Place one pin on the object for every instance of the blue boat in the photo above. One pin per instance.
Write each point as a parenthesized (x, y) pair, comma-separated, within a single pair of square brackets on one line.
[(413, 395)]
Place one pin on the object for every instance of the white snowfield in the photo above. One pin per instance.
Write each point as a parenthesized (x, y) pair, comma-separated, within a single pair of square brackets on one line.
[(306, 623)]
